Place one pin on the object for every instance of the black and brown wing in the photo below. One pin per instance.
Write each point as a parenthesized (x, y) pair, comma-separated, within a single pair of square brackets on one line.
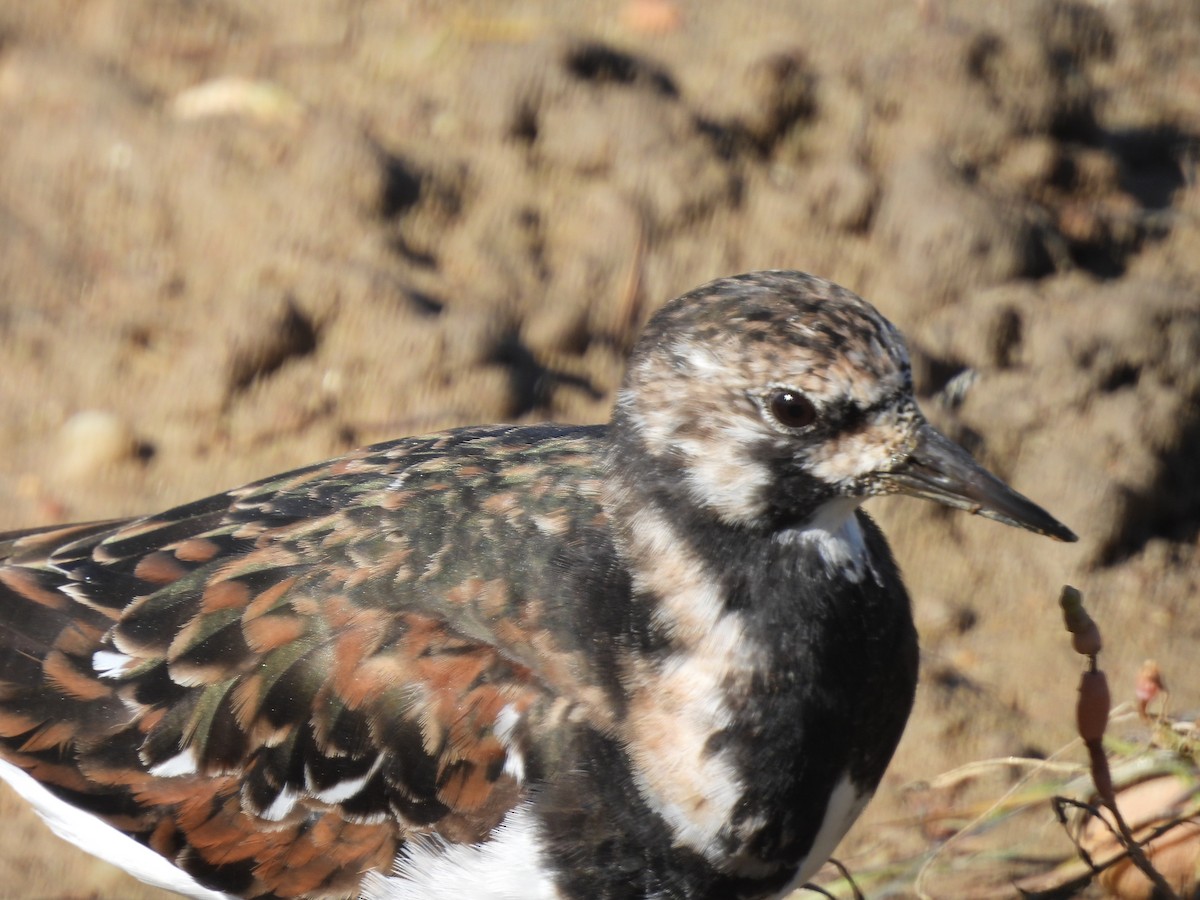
[(276, 687)]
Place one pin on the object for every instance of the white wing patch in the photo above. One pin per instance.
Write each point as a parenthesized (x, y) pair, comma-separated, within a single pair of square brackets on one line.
[(282, 805), (343, 790), (182, 763), (102, 840), (506, 723), (110, 664), (508, 866), (845, 805)]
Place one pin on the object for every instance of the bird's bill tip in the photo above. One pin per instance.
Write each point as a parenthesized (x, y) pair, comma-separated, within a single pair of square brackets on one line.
[(940, 470)]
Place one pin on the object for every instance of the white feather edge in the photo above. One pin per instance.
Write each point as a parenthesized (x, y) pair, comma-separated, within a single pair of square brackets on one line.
[(102, 840)]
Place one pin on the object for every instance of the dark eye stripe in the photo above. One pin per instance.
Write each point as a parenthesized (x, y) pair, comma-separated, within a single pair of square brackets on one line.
[(847, 415)]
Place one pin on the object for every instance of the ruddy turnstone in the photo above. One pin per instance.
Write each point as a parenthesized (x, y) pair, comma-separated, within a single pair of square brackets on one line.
[(666, 657)]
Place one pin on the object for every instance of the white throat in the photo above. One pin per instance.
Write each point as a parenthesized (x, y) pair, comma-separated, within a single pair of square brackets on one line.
[(834, 531)]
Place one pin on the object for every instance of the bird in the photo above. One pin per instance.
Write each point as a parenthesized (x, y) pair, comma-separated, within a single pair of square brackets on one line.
[(669, 656)]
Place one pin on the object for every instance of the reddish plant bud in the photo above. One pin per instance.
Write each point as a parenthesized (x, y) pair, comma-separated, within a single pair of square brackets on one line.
[(1091, 712), (1149, 684)]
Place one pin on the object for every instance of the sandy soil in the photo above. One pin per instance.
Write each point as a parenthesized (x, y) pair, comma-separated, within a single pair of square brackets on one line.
[(237, 237)]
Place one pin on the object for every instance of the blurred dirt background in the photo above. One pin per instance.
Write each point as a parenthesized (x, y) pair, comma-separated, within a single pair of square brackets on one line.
[(237, 237)]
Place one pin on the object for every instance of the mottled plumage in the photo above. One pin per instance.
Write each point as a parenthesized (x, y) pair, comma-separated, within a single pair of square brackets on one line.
[(667, 657)]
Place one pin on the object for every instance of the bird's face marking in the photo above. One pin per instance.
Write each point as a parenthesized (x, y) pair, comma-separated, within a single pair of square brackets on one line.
[(772, 396), (849, 457)]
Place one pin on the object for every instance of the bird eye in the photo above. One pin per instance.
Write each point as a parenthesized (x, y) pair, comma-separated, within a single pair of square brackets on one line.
[(792, 409)]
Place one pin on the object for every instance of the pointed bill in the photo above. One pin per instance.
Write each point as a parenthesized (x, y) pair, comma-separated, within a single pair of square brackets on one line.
[(940, 470)]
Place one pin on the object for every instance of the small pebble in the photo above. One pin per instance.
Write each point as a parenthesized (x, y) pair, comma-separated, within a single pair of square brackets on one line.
[(654, 17), (93, 440)]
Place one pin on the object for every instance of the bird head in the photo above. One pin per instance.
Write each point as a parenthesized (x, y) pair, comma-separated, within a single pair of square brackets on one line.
[(775, 398)]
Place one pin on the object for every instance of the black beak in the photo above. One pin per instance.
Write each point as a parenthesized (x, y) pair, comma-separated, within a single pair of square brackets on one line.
[(940, 470)]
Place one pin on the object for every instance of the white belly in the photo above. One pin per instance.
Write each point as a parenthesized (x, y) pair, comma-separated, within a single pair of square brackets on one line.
[(506, 867)]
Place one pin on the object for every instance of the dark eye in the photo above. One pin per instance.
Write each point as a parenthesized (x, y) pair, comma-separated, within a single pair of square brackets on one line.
[(792, 409)]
